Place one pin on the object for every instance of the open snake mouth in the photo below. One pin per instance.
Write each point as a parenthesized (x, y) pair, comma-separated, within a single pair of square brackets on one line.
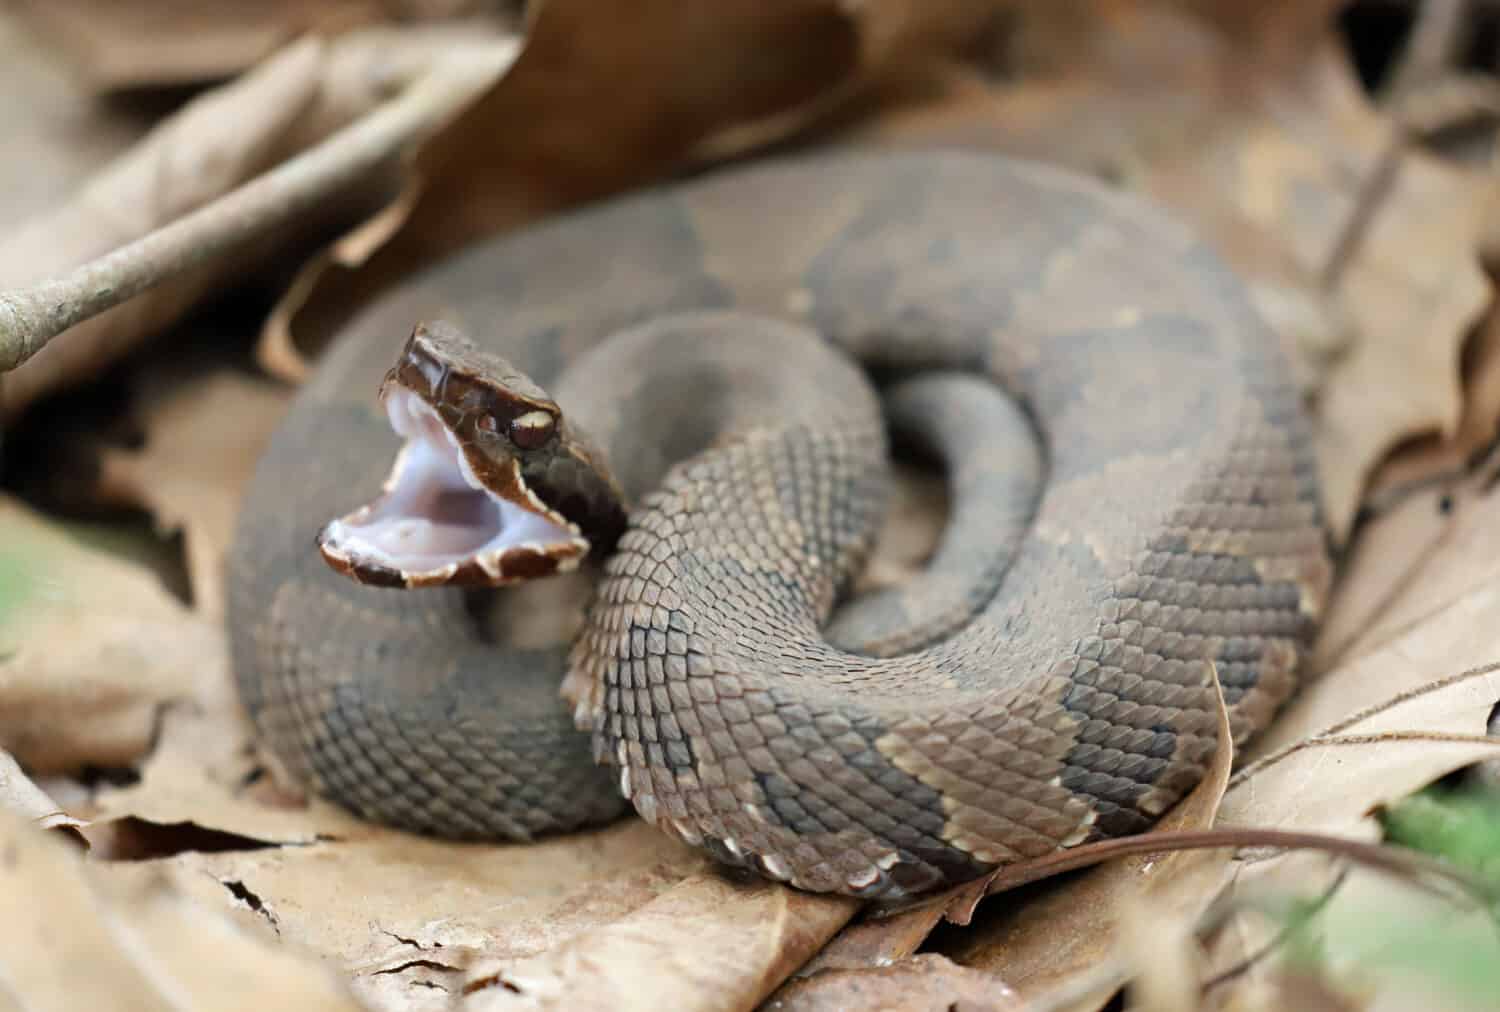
[(437, 523)]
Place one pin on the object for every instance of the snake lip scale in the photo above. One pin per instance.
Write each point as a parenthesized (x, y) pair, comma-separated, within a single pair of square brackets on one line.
[(1138, 520)]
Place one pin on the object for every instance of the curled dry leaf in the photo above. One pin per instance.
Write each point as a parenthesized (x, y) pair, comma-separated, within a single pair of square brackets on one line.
[(711, 944), (91, 646), (203, 438), (177, 42), (209, 146), (1413, 313), (216, 143), (603, 98), (1446, 455), (20, 796), (76, 935), (926, 983)]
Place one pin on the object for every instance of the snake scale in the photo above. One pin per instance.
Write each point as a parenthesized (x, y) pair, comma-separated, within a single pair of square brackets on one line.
[(1177, 535)]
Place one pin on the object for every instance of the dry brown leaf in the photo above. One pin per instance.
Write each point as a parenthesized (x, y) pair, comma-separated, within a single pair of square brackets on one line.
[(1413, 312), (603, 98), (876, 942), (406, 915), (1442, 636), (20, 796), (1412, 560), (203, 438), (50, 117), (926, 983), (209, 147), (90, 647), (1437, 457), (710, 943), (1280, 161), (74, 936), (117, 46), (1062, 932), (1332, 783)]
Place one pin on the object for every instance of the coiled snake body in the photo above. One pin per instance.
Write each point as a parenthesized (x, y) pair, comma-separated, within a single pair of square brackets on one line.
[(1177, 535)]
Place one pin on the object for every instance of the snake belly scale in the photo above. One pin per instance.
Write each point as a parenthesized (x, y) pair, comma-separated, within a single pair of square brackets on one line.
[(1178, 534)]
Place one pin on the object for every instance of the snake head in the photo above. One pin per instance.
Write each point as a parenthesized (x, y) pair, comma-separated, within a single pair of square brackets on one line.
[(491, 487)]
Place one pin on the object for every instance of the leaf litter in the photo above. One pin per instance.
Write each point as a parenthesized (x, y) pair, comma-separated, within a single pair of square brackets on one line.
[(1362, 250)]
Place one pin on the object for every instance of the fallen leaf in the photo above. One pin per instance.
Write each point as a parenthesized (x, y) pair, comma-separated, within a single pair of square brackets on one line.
[(1413, 559), (203, 438), (49, 115), (1063, 931), (1449, 454), (90, 647), (927, 983), (212, 145), (74, 936), (601, 100), (1448, 636), (1413, 313), (178, 42), (711, 943), (1282, 164), (20, 796), (399, 911), (875, 942), (1333, 781)]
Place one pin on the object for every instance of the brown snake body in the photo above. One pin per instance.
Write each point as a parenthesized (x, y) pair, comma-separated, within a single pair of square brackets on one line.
[(1178, 533)]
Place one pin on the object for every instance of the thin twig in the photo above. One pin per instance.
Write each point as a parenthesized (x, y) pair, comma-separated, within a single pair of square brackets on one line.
[(1440, 27), (1408, 865), (30, 317)]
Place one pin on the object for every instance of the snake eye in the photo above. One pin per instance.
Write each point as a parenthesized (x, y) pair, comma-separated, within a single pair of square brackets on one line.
[(531, 430)]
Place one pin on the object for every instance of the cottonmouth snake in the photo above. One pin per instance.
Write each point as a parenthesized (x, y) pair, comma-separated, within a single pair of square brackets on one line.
[(1178, 533)]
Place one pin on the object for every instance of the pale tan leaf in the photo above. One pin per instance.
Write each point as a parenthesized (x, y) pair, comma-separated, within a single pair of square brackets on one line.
[(177, 42), (75, 936), (1412, 559), (1447, 455), (1277, 158), (50, 117), (202, 441), (1332, 784), (876, 941), (90, 647), (926, 983), (1462, 634), (20, 796), (710, 943), (403, 914)]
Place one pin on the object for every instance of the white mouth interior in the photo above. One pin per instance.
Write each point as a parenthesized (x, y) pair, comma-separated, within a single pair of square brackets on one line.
[(435, 514)]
